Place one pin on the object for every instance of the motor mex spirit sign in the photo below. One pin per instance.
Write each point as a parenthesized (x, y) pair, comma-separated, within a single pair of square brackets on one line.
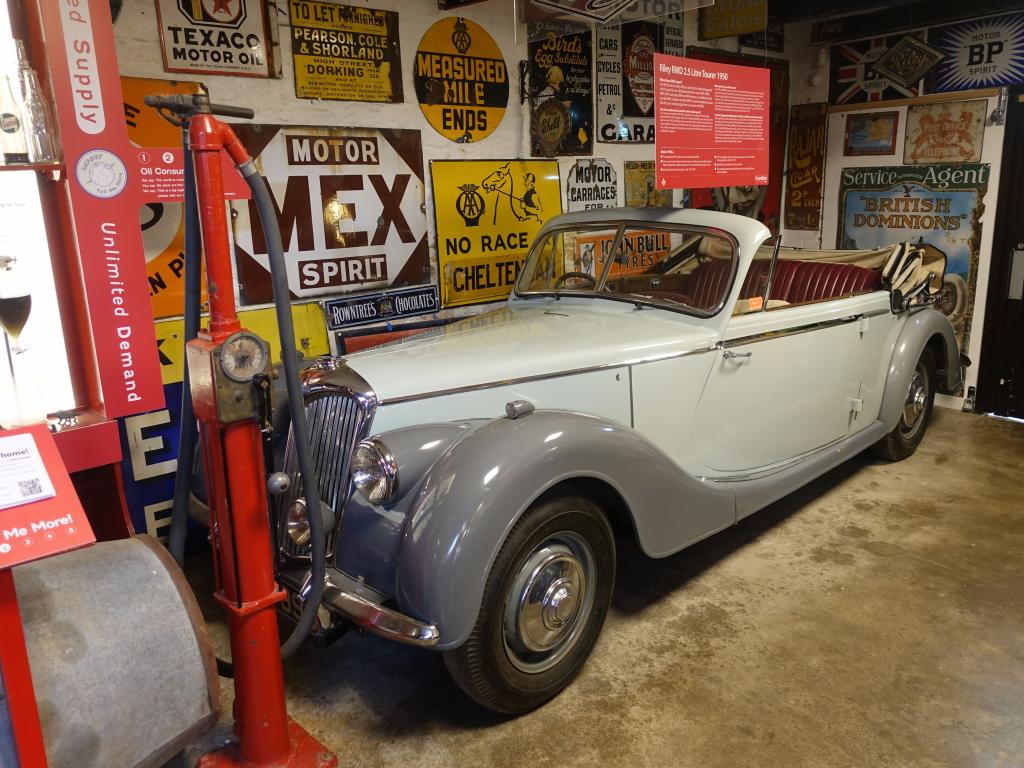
[(349, 204)]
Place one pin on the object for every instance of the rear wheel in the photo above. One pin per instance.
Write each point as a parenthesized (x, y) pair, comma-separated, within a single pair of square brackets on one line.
[(543, 606), (915, 415)]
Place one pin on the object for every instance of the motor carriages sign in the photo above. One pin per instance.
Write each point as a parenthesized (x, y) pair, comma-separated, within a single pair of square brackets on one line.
[(487, 213), (625, 76), (461, 80), (591, 184), (345, 53), (984, 53), (349, 205), (214, 37)]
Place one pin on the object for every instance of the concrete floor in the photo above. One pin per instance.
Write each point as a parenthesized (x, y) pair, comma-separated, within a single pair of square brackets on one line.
[(875, 618)]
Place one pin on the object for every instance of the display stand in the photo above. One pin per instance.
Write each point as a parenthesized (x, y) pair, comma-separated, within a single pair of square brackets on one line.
[(30, 532)]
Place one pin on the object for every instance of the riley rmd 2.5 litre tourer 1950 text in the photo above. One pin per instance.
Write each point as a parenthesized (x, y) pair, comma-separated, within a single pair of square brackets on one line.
[(658, 374)]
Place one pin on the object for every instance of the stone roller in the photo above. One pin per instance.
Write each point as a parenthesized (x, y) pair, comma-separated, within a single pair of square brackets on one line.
[(121, 661)]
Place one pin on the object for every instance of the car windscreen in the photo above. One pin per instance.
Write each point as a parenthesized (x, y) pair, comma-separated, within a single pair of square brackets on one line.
[(675, 267)]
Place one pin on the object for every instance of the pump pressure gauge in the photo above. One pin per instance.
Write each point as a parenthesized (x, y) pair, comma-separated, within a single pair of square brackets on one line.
[(243, 356)]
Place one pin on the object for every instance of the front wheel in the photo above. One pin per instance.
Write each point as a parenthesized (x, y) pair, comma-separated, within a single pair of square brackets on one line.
[(543, 606), (915, 415)]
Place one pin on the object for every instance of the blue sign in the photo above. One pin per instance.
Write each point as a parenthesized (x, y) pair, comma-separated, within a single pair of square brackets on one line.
[(380, 307), (986, 53)]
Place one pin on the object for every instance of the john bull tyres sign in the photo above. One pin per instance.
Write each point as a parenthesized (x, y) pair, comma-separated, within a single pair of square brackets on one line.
[(381, 307), (488, 212), (214, 37), (349, 204)]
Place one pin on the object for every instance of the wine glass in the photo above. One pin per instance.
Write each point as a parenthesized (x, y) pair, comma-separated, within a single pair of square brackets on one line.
[(15, 305)]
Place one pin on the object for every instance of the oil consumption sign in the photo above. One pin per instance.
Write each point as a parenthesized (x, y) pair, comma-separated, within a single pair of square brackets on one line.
[(461, 80)]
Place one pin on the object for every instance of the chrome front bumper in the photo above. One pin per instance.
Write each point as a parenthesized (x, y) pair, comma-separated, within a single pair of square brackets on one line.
[(341, 597)]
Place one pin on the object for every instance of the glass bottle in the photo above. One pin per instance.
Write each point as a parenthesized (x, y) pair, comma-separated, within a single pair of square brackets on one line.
[(40, 135), (13, 148)]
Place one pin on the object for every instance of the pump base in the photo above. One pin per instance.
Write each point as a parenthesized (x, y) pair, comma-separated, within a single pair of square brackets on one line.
[(305, 752)]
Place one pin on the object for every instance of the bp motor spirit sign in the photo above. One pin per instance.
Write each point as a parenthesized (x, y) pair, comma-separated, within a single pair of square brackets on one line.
[(349, 205), (213, 37)]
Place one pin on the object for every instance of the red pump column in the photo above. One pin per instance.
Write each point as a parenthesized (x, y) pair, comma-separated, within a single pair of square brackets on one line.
[(239, 525)]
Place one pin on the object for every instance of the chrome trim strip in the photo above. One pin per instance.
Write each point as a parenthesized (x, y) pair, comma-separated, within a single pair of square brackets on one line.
[(781, 332), (380, 620), (542, 376)]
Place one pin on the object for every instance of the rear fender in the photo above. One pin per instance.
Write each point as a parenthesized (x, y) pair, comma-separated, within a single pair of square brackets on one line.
[(918, 331), (473, 495)]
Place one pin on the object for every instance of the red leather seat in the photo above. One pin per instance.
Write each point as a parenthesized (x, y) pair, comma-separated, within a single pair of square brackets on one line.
[(708, 282)]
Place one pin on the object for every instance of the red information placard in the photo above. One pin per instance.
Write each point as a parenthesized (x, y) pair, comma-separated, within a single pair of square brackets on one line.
[(711, 123), (50, 525)]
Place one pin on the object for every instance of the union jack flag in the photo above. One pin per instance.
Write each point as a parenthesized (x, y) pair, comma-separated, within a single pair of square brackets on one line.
[(853, 79)]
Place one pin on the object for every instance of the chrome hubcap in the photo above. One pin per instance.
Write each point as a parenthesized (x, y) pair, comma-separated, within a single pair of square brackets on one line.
[(551, 596), (917, 401)]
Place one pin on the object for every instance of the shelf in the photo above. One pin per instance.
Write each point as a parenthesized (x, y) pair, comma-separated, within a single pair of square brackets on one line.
[(53, 170), (93, 441)]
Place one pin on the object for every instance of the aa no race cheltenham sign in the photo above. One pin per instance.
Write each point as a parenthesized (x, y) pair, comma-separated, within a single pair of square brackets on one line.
[(350, 210)]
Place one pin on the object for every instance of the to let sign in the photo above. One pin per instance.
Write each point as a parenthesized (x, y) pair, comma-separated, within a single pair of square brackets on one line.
[(711, 123)]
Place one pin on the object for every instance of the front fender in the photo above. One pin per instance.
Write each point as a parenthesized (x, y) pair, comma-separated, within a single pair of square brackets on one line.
[(473, 495), (918, 330)]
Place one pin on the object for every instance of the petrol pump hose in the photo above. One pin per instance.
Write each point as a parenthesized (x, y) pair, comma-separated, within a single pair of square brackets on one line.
[(286, 331)]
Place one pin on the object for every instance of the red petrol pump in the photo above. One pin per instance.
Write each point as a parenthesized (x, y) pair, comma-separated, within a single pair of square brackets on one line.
[(229, 373)]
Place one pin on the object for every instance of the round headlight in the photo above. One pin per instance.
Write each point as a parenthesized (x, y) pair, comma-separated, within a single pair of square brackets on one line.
[(374, 471), (297, 523)]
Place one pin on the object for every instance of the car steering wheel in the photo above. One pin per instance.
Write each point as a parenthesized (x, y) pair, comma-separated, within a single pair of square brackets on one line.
[(562, 278)]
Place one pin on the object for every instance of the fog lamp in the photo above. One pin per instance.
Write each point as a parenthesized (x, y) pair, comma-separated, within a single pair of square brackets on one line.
[(297, 523), (374, 471)]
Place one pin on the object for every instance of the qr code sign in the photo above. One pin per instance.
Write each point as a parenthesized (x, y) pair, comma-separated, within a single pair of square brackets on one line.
[(30, 487)]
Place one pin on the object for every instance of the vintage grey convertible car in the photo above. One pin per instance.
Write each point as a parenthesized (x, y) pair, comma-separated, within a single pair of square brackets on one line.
[(658, 374)]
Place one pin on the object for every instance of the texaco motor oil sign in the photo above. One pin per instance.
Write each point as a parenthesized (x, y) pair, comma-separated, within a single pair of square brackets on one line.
[(215, 37), (350, 210), (488, 212), (461, 80)]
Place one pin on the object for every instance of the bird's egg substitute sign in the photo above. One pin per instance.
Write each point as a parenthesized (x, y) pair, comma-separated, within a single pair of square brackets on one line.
[(213, 37), (591, 184), (487, 213), (461, 80), (349, 205)]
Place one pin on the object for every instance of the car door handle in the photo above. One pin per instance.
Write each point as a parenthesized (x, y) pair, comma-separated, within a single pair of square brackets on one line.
[(730, 355)]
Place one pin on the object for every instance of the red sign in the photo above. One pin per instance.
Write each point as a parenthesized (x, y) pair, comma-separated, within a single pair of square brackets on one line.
[(51, 525), (711, 123)]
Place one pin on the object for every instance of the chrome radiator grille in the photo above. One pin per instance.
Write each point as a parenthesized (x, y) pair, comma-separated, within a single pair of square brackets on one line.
[(336, 422)]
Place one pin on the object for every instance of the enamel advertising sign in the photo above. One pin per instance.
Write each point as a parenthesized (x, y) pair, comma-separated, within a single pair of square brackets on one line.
[(381, 307), (625, 77), (345, 53), (986, 53), (712, 123), (935, 204), (562, 111), (947, 132), (591, 183), (487, 213), (213, 37), (461, 80), (855, 81), (350, 209), (805, 166)]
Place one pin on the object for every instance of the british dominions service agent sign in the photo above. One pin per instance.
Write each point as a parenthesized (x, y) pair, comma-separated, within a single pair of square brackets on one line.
[(461, 80)]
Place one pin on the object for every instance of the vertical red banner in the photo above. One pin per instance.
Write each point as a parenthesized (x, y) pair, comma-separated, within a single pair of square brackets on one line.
[(711, 123), (104, 187)]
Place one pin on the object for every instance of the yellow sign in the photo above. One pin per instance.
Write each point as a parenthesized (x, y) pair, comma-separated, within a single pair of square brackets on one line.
[(310, 336), (461, 80), (641, 248), (487, 213), (733, 17), (345, 53), (163, 224)]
